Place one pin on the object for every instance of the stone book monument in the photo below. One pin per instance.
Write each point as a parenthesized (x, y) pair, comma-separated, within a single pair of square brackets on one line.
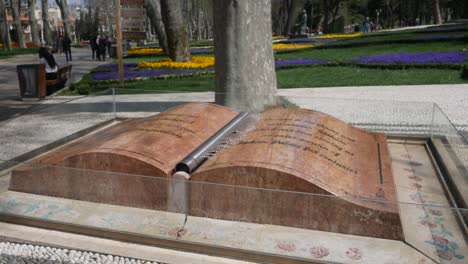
[(303, 169)]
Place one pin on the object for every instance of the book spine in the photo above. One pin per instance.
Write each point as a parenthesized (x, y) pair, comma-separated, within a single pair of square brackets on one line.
[(192, 161)]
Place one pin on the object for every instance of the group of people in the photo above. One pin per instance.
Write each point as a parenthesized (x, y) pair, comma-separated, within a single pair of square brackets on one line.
[(368, 25), (64, 46), (101, 47)]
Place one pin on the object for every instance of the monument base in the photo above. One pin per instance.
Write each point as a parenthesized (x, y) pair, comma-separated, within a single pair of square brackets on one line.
[(416, 180)]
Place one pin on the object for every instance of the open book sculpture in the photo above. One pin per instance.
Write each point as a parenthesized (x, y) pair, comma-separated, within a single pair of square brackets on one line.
[(346, 170)]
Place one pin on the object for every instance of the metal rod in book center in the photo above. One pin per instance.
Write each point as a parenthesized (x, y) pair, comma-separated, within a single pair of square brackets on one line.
[(192, 161)]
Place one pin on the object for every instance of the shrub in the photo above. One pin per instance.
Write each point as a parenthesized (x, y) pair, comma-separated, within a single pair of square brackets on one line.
[(464, 73)]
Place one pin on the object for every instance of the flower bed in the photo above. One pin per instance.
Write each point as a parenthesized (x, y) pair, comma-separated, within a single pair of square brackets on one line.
[(441, 37), (353, 35), (145, 51), (282, 46), (308, 40), (158, 51), (115, 66), (195, 63), (16, 45), (279, 37), (452, 57), (130, 74), (298, 62), (201, 51)]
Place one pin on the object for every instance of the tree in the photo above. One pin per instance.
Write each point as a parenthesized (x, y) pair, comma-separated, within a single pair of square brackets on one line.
[(63, 6), (286, 13), (437, 16), (4, 34), (153, 11), (45, 23), (245, 70), (178, 40), (15, 11), (33, 21)]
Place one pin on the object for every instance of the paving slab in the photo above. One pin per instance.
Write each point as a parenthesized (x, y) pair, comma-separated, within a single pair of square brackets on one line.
[(10, 101)]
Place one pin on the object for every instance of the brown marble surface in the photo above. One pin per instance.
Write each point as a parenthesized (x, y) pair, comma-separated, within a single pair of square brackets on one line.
[(329, 166), (303, 151)]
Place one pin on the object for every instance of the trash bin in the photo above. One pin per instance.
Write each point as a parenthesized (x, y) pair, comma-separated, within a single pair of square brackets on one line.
[(113, 51), (32, 81)]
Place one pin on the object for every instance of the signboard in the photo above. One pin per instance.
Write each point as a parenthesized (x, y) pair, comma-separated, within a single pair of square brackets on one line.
[(133, 35), (139, 3), (134, 25), (133, 20), (133, 12)]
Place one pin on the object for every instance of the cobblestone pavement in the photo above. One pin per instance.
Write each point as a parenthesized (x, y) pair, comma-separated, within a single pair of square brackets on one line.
[(14, 253)]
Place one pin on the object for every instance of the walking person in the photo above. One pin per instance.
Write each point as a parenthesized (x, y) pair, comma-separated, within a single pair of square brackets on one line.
[(102, 49), (108, 46), (98, 47), (66, 44), (60, 43), (93, 45)]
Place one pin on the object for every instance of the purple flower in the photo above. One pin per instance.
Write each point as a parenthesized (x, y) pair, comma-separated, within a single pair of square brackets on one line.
[(308, 40), (200, 51), (128, 74), (115, 66), (431, 37), (299, 61), (458, 57)]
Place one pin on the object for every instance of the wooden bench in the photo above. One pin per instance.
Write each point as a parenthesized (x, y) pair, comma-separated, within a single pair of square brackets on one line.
[(63, 75)]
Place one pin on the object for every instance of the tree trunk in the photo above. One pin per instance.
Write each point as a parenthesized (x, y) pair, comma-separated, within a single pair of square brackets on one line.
[(16, 20), (4, 31), (45, 23), (335, 8), (292, 12), (326, 14), (63, 6), (465, 11), (153, 10), (437, 15), (33, 22), (178, 40), (245, 68), (416, 12)]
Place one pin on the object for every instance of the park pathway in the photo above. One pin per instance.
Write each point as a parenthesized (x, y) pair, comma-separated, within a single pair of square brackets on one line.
[(10, 101)]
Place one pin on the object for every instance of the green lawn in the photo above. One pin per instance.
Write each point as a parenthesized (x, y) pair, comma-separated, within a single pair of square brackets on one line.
[(341, 54), (323, 76), (316, 76), (334, 54)]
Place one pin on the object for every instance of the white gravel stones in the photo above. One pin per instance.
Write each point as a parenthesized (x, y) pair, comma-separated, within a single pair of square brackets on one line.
[(14, 253)]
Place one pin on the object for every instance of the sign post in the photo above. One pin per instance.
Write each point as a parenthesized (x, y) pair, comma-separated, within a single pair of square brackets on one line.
[(119, 43)]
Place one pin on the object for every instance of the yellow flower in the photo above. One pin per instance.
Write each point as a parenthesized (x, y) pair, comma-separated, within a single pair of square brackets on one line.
[(281, 46), (195, 63), (279, 37), (145, 51), (328, 36)]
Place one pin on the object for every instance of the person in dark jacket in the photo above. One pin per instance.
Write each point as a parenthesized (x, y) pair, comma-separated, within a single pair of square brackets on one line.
[(66, 44), (93, 45), (102, 49)]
